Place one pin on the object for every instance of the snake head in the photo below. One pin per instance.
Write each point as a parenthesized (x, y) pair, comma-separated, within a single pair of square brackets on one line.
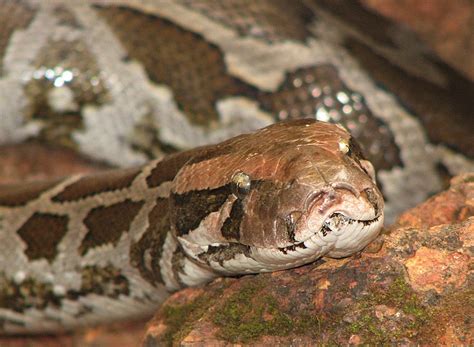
[(281, 197)]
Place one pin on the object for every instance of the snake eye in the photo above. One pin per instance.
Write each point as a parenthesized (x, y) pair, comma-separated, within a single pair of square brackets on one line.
[(241, 184), (344, 146)]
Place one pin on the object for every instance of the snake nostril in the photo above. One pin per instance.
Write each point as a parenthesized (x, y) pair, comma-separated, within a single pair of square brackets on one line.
[(345, 186)]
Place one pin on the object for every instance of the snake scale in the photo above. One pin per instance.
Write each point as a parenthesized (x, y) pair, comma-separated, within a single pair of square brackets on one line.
[(130, 83)]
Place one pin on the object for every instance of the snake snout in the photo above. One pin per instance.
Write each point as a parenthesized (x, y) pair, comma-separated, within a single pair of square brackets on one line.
[(329, 196)]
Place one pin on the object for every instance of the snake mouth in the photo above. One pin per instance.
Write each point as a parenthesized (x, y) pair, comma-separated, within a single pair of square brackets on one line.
[(347, 234), (338, 220)]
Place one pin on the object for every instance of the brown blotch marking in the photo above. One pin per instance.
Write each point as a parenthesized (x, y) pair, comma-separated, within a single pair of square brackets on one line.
[(66, 17), (87, 86), (435, 106), (177, 264), (192, 67), (13, 195), (42, 232), (145, 138), (14, 15), (151, 243), (166, 169), (292, 248), (28, 294), (224, 252), (98, 183), (107, 224), (231, 227), (297, 98), (271, 20), (31, 293), (189, 209), (106, 281)]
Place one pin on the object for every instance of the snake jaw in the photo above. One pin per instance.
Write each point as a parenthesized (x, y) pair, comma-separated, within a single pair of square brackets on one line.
[(336, 221), (338, 236)]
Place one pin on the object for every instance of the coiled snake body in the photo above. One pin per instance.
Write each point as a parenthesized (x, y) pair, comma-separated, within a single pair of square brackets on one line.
[(127, 81)]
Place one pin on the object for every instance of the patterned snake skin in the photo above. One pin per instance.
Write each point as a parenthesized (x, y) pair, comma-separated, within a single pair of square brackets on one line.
[(129, 81)]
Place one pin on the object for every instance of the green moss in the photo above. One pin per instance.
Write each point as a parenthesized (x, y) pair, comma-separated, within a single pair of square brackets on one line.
[(400, 296), (309, 324), (179, 319), (455, 310), (403, 296), (368, 325), (468, 179), (248, 315)]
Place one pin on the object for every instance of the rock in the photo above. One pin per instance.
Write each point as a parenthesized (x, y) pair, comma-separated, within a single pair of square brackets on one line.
[(414, 288), (355, 340), (454, 205), (434, 269), (383, 311)]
